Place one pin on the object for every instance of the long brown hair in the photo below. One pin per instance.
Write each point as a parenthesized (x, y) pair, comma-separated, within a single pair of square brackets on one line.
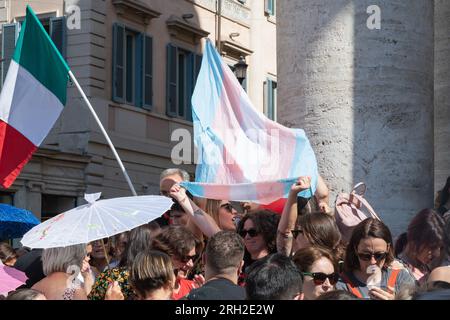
[(370, 227), (212, 208), (321, 230), (426, 230)]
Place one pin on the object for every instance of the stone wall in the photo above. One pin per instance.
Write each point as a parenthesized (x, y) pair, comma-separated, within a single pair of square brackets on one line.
[(364, 97), (441, 93)]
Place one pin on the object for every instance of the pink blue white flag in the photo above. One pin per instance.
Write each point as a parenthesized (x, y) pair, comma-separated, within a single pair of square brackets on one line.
[(242, 155)]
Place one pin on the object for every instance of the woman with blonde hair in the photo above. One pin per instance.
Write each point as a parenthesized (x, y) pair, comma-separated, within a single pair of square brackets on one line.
[(223, 214)]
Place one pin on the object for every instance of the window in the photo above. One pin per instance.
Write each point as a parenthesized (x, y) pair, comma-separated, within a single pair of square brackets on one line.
[(53, 205), (7, 198), (270, 99), (182, 71), (269, 7), (132, 67), (130, 51), (244, 82), (55, 27)]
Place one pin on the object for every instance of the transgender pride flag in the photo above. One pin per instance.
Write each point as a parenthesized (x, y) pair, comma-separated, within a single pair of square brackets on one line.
[(242, 155)]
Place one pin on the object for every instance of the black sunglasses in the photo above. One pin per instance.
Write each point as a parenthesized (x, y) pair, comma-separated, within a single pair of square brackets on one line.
[(227, 206), (296, 232), (367, 256), (251, 232), (320, 277), (186, 259)]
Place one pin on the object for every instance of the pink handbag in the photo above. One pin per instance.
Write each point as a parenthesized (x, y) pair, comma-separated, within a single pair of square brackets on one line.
[(351, 209)]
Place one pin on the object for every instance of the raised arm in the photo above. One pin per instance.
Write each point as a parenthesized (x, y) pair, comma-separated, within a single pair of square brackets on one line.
[(289, 216), (203, 220), (322, 196)]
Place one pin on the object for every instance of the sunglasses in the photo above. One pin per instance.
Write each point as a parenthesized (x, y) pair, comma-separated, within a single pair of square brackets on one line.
[(296, 232), (251, 232), (186, 259), (227, 206), (368, 256), (320, 277)]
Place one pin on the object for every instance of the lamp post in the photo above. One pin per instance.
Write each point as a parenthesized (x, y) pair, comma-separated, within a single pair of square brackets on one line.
[(240, 69)]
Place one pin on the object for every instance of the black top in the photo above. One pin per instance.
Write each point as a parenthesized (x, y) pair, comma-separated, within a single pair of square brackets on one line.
[(218, 289), (31, 264)]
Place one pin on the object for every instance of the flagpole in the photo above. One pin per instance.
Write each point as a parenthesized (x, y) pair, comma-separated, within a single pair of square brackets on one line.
[(104, 133)]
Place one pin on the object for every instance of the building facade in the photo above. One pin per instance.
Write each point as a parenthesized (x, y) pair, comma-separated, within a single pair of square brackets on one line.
[(137, 61)]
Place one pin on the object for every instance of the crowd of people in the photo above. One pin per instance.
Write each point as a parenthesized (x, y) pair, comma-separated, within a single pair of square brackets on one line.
[(203, 249)]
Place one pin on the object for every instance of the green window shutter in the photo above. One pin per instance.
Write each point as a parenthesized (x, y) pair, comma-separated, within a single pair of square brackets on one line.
[(171, 81), (269, 107), (265, 98), (269, 7), (191, 76), (182, 79), (274, 100), (139, 70), (118, 87), (10, 33), (58, 33), (148, 73), (270, 99), (130, 67), (198, 64)]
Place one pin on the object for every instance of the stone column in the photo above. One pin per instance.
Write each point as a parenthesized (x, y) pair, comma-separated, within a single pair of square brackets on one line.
[(29, 197), (364, 97), (441, 93)]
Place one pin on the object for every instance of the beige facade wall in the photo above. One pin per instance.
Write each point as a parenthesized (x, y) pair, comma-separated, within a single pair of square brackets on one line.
[(75, 158)]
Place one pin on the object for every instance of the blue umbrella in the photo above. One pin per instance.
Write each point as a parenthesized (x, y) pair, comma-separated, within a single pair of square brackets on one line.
[(15, 222)]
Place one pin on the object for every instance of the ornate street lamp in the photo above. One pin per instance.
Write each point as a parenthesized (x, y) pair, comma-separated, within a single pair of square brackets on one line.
[(240, 70)]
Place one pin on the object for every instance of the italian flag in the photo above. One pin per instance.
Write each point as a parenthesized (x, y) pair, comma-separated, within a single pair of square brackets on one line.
[(33, 96)]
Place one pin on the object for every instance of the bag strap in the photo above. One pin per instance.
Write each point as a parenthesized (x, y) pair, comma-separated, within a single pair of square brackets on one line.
[(366, 204), (359, 189), (350, 286), (393, 278)]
